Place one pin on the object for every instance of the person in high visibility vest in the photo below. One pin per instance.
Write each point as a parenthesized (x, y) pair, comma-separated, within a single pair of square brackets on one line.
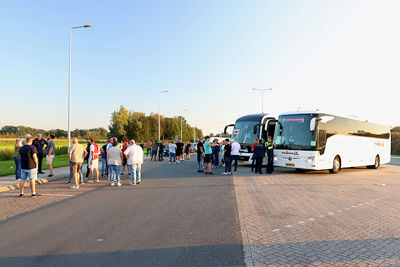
[(269, 147)]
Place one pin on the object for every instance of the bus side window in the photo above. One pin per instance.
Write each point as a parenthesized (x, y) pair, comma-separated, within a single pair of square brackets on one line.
[(321, 141)]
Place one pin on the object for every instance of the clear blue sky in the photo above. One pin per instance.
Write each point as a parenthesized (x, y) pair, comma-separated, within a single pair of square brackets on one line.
[(341, 56)]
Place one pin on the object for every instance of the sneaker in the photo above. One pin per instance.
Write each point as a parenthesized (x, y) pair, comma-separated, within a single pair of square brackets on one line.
[(82, 182), (40, 172), (122, 173), (210, 173), (119, 184), (229, 172), (169, 163), (68, 182), (139, 182), (36, 195), (132, 183), (112, 184), (97, 180), (74, 187), (224, 173), (90, 181), (21, 195), (50, 175)]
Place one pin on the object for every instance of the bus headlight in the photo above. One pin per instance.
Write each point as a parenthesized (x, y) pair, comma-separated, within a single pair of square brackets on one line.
[(275, 158), (310, 159)]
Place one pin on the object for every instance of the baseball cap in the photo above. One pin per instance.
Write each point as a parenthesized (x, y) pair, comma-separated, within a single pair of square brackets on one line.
[(28, 136), (126, 140)]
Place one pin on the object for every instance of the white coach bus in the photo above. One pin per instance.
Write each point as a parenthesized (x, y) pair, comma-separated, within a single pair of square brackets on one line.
[(319, 141), (249, 128)]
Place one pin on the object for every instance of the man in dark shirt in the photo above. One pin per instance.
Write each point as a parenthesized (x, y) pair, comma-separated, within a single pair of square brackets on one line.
[(200, 155), (29, 163), (259, 154), (40, 144), (161, 151), (227, 157), (89, 143)]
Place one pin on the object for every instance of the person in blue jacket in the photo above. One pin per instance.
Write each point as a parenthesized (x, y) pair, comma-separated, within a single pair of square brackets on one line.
[(215, 152)]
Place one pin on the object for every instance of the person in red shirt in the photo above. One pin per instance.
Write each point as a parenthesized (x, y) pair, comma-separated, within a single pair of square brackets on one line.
[(254, 159), (148, 145), (125, 160)]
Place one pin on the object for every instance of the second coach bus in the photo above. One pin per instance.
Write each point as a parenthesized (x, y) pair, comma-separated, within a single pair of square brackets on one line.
[(321, 141)]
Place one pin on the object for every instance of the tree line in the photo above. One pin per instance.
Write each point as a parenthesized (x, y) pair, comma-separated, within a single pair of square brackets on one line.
[(21, 131), (136, 125)]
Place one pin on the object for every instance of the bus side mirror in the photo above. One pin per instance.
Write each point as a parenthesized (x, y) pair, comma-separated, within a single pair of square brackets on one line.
[(313, 124), (226, 127)]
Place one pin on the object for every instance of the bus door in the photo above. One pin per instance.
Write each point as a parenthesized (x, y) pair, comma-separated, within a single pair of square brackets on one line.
[(268, 129)]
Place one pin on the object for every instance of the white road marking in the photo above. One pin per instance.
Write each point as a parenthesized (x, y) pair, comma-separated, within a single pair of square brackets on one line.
[(301, 222), (60, 195), (288, 226), (100, 240), (276, 230), (311, 219)]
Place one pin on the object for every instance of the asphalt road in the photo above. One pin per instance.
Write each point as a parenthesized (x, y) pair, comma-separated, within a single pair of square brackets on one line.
[(176, 217), (395, 161)]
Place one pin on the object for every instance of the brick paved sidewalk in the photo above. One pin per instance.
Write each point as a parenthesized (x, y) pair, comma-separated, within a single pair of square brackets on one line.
[(319, 219)]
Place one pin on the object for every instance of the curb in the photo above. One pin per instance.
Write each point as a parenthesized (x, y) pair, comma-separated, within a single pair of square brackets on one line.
[(16, 185)]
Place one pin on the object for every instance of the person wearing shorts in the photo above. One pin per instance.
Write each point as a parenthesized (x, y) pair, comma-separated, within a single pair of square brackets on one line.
[(93, 161), (154, 148), (208, 155), (29, 164), (76, 156), (51, 152)]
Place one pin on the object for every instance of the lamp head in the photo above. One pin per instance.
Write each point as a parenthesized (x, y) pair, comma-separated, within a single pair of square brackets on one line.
[(88, 26)]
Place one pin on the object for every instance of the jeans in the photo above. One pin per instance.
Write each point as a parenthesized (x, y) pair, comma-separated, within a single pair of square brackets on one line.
[(148, 152), (216, 160), (80, 176), (200, 160), (253, 163), (17, 161), (259, 162), (40, 158), (103, 167), (136, 171), (235, 158), (228, 164), (172, 155), (115, 170)]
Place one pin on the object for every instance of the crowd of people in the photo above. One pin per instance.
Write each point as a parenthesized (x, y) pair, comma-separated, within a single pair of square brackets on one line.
[(116, 158)]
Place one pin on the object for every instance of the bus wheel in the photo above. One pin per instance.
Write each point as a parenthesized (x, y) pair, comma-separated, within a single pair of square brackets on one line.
[(336, 165), (377, 163)]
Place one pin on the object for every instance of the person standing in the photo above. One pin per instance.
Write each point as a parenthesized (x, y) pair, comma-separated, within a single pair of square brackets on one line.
[(208, 155), (17, 158), (154, 149), (200, 155), (51, 152), (94, 161), (142, 145), (148, 146), (227, 157), (258, 155), (29, 164), (135, 156), (124, 161), (104, 168), (161, 151), (222, 153), (87, 157), (253, 158), (215, 153), (40, 144), (188, 147), (178, 151), (235, 153), (76, 156), (270, 154), (172, 150), (114, 160)]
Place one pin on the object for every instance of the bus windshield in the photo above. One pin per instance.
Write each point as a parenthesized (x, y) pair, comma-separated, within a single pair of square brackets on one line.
[(243, 132), (293, 132)]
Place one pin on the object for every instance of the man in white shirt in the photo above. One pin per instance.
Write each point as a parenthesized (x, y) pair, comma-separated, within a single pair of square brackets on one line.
[(134, 153), (172, 152), (235, 153)]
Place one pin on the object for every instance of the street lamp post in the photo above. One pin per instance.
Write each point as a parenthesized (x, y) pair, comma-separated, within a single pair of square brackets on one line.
[(262, 96), (159, 123), (69, 80), (181, 123)]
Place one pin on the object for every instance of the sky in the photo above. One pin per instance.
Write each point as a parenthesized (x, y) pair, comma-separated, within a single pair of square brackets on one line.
[(337, 56)]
